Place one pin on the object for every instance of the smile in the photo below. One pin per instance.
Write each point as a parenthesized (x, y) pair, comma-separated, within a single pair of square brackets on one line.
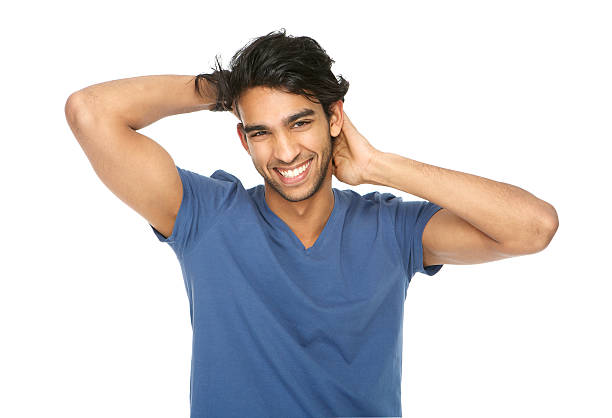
[(296, 175)]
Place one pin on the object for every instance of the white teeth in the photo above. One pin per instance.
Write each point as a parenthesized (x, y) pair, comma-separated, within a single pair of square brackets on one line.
[(296, 172)]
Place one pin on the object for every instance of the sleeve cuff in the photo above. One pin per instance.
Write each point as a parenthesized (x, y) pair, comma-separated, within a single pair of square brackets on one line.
[(428, 211)]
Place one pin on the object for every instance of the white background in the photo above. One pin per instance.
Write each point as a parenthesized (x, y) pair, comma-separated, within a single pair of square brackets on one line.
[(94, 318)]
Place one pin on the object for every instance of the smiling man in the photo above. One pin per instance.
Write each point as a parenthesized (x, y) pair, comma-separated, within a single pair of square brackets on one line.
[(296, 288), (292, 151)]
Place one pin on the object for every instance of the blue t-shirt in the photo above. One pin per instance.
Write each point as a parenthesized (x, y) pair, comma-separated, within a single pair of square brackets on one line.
[(284, 331)]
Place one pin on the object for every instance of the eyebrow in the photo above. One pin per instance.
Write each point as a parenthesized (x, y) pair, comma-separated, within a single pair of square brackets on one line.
[(286, 120)]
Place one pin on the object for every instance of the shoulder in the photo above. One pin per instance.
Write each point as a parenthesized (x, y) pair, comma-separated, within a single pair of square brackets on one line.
[(371, 201), (219, 182), (372, 205), (225, 176), (211, 193)]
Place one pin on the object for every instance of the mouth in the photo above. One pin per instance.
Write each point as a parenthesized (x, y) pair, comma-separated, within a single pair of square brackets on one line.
[(294, 176)]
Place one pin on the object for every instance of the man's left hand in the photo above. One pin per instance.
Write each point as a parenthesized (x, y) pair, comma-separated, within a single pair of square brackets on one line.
[(352, 155)]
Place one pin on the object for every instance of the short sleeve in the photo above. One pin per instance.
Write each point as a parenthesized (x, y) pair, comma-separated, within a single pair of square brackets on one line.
[(204, 201), (411, 219)]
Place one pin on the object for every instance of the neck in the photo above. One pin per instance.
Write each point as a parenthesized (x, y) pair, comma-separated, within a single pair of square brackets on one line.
[(306, 218)]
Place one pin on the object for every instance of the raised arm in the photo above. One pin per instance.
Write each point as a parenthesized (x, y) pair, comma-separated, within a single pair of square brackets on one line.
[(104, 118)]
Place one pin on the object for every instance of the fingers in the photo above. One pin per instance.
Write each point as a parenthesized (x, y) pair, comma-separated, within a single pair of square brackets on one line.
[(347, 122)]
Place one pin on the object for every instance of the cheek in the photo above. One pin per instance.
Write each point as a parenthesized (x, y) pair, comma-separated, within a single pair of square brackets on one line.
[(316, 138), (259, 156)]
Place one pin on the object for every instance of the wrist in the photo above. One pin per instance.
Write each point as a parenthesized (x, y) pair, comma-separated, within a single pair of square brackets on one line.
[(207, 87), (375, 172)]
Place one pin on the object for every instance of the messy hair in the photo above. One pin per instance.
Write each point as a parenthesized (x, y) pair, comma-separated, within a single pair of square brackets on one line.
[(295, 65)]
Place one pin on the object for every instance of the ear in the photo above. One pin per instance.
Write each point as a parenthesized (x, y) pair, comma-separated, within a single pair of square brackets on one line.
[(242, 136), (336, 119)]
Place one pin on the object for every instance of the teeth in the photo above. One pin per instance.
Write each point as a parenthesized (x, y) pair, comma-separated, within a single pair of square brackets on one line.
[(296, 172)]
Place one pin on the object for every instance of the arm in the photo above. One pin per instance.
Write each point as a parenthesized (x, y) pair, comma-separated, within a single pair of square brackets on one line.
[(104, 118), (481, 220), (139, 101)]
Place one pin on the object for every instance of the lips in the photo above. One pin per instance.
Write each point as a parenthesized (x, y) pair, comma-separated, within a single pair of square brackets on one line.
[(293, 168), (297, 179)]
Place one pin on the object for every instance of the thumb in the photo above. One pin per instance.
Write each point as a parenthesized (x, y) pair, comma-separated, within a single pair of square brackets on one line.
[(347, 124)]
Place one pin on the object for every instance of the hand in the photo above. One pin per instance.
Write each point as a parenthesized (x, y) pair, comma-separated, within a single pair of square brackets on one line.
[(352, 155)]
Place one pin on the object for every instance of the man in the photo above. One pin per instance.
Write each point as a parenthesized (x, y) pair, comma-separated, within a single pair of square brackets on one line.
[(296, 289)]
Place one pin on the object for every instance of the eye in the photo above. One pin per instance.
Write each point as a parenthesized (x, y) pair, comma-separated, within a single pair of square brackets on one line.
[(257, 133), (305, 122)]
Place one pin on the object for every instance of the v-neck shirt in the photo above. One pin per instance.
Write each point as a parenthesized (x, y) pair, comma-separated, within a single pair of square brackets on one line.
[(280, 330), (258, 194)]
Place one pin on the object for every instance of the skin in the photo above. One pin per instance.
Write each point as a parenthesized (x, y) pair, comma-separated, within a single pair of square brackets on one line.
[(306, 207), (481, 220)]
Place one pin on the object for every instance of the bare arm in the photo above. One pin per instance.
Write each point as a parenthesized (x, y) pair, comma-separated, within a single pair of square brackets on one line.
[(140, 101), (104, 118)]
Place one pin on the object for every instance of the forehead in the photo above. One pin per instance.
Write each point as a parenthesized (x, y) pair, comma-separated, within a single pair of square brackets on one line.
[(271, 105)]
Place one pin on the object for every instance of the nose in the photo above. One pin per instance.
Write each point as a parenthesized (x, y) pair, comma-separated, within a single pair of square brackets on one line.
[(286, 149)]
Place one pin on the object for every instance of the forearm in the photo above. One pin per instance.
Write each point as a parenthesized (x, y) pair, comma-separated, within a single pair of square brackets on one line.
[(140, 101), (506, 213)]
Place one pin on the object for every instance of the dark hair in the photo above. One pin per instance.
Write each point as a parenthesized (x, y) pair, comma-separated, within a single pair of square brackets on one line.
[(294, 64)]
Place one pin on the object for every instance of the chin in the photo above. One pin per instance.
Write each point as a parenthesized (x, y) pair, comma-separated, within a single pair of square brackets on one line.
[(302, 192)]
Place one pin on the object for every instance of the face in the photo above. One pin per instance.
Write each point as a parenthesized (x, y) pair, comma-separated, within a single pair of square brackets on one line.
[(283, 131)]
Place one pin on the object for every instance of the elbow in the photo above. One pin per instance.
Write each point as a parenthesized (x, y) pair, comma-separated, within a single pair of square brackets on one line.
[(547, 230), (77, 109), (536, 235), (71, 108)]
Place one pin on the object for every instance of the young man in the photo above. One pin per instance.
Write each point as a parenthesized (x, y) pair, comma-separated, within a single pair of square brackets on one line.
[(296, 289)]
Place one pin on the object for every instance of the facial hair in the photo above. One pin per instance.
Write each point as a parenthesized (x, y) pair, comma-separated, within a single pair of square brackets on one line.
[(326, 157)]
